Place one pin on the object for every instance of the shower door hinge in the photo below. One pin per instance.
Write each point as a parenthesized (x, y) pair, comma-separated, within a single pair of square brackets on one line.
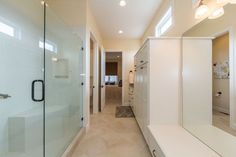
[(82, 119), (82, 83), (82, 48)]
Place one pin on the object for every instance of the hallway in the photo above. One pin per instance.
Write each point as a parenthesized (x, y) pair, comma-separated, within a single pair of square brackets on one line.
[(109, 136)]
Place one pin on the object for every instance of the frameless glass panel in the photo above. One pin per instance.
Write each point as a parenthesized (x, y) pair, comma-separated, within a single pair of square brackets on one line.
[(63, 85), (21, 62)]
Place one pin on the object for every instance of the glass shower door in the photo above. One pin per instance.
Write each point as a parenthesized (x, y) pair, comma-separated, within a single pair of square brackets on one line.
[(21, 78), (63, 85)]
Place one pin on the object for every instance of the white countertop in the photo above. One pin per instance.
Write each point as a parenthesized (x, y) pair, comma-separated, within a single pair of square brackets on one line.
[(175, 141)]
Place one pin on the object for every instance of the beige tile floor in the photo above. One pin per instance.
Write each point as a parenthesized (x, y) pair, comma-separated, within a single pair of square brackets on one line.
[(222, 121), (112, 137)]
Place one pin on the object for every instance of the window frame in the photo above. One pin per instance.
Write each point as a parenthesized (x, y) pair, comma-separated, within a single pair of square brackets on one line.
[(164, 21)]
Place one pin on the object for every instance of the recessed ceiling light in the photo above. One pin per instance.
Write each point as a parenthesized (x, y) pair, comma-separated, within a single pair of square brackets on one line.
[(120, 32), (118, 56), (123, 3)]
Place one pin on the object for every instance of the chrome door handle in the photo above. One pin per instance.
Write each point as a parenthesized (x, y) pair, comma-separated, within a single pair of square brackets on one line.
[(4, 96)]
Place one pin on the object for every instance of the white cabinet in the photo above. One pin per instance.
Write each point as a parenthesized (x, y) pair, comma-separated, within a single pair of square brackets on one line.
[(157, 83), (157, 97), (140, 97)]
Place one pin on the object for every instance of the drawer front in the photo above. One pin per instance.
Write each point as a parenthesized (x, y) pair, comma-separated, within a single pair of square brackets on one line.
[(154, 148)]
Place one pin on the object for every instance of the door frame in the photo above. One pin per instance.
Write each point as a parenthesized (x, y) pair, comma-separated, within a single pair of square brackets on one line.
[(123, 72), (95, 73), (102, 73), (232, 68)]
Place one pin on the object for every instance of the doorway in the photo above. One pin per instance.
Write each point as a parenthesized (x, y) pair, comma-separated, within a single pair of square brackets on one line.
[(221, 83), (113, 78)]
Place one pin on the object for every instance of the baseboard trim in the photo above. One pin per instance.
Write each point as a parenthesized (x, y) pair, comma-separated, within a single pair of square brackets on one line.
[(233, 126), (221, 109), (71, 148)]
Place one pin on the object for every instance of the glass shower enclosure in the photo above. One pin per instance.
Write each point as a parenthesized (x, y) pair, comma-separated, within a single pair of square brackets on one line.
[(41, 75)]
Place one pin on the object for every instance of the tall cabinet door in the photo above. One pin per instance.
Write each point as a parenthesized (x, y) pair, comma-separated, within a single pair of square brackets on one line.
[(137, 94), (145, 106), (21, 80)]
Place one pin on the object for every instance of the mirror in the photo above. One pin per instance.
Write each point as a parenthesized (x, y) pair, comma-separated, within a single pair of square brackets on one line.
[(209, 82)]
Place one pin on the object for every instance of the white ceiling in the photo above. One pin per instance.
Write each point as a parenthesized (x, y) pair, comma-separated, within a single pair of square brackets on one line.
[(133, 19)]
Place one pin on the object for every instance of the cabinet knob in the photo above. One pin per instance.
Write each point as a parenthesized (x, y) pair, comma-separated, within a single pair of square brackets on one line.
[(141, 61)]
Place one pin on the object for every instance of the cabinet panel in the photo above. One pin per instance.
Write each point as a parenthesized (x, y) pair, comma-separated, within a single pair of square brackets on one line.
[(136, 93), (156, 86), (144, 98), (141, 110), (142, 56)]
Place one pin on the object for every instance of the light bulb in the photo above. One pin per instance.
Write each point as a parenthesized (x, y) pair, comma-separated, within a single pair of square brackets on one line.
[(217, 13), (123, 3), (201, 11), (120, 32)]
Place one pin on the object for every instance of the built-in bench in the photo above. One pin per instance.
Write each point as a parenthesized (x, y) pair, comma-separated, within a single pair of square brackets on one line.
[(175, 141)]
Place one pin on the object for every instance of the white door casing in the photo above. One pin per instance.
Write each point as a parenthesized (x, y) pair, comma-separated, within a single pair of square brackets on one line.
[(103, 73)]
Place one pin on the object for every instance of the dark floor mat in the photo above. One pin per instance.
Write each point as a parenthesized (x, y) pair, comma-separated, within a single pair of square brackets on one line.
[(124, 112)]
